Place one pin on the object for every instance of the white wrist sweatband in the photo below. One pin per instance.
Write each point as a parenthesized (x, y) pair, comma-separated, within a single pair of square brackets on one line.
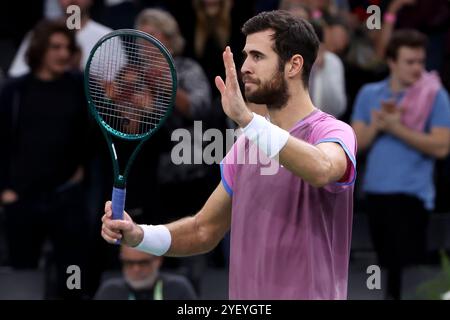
[(269, 138), (156, 240)]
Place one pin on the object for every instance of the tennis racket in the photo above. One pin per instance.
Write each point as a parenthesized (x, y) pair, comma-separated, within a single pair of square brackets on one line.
[(130, 85)]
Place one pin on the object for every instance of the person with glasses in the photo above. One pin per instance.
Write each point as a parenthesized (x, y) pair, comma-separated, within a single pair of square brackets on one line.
[(142, 280)]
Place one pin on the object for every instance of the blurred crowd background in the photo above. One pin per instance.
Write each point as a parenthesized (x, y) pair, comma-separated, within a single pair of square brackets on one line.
[(55, 170)]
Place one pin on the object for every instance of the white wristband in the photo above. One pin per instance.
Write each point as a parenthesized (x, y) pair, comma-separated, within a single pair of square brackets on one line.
[(156, 240), (269, 138)]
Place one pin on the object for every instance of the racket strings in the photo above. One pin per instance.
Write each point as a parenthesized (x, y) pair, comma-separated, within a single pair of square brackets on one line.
[(130, 82)]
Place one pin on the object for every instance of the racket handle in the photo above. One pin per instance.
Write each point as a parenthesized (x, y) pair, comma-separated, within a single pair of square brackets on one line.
[(118, 203)]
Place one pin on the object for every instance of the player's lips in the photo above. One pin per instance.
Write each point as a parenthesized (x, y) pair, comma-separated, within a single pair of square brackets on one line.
[(248, 80)]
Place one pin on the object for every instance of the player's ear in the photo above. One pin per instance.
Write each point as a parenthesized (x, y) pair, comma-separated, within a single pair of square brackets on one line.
[(294, 66)]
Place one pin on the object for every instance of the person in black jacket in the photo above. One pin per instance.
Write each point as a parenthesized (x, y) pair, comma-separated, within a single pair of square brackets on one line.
[(43, 134)]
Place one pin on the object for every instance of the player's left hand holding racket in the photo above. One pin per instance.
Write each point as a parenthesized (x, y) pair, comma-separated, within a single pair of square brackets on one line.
[(130, 84)]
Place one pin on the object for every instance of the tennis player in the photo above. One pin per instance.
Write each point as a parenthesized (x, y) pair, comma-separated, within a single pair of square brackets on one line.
[(290, 230)]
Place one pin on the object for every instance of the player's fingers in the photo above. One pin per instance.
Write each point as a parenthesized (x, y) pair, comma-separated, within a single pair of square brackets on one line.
[(111, 233), (108, 207), (108, 211), (118, 225), (111, 225), (126, 217), (230, 68), (220, 85), (106, 216), (108, 238)]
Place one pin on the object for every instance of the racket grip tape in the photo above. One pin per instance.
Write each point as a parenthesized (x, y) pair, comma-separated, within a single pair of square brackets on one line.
[(118, 203)]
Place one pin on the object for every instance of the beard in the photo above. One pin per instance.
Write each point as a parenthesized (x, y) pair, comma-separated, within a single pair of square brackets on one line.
[(141, 284), (273, 93)]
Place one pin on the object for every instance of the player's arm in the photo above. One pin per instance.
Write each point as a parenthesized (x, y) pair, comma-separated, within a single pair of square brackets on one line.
[(318, 165), (202, 232), (187, 236)]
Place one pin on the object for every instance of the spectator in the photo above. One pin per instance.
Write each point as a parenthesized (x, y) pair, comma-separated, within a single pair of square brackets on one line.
[(297, 7), (327, 80), (403, 122), (142, 280), (86, 37), (213, 29), (336, 35), (119, 14), (43, 132), (389, 20)]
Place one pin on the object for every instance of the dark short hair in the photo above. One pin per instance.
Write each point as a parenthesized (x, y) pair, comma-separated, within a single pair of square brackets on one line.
[(405, 38), (40, 40), (331, 20), (318, 29), (292, 36)]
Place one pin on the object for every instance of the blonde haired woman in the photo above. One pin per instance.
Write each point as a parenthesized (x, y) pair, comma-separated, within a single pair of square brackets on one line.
[(213, 30)]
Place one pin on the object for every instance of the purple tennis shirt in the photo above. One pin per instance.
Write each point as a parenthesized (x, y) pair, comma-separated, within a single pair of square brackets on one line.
[(289, 240)]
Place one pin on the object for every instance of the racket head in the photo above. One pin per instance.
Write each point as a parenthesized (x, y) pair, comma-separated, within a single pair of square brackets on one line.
[(130, 84)]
